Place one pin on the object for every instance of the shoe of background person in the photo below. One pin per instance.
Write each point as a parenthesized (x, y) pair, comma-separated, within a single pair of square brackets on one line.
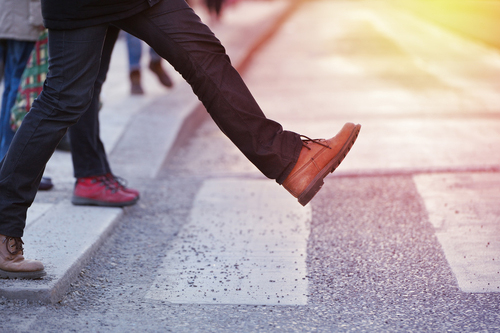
[(317, 159), (135, 83), (12, 262), (121, 183), (45, 184), (100, 191), (155, 67)]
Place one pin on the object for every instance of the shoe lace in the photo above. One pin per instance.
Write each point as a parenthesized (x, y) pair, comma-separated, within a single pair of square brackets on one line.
[(18, 244), (116, 181), (306, 139), (108, 182)]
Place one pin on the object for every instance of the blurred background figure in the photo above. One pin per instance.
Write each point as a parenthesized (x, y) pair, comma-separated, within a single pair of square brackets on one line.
[(214, 8), (1, 68), (134, 46)]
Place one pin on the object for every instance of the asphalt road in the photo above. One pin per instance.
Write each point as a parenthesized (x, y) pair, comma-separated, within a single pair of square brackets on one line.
[(403, 237)]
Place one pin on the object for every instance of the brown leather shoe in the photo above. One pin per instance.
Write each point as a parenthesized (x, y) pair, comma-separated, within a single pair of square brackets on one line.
[(12, 263), (316, 160)]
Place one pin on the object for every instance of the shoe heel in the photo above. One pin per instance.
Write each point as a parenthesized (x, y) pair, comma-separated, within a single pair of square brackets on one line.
[(305, 197), (314, 188)]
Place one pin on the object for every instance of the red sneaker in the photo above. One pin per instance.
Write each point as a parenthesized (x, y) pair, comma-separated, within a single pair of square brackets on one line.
[(100, 191), (121, 183)]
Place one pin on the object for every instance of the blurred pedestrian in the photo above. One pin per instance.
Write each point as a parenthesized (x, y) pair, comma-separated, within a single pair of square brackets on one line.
[(134, 47), (20, 26), (77, 32), (1, 67), (214, 8)]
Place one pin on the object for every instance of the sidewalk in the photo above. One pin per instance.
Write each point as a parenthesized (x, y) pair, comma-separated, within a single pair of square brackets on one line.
[(138, 133)]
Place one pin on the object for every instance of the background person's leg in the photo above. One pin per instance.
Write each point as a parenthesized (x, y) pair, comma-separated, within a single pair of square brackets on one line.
[(2, 48), (134, 48), (16, 55)]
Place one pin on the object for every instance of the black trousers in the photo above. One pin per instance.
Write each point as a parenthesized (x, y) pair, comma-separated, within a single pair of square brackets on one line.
[(87, 150), (176, 33)]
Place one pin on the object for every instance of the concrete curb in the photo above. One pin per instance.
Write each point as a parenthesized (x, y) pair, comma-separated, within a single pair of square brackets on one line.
[(64, 242)]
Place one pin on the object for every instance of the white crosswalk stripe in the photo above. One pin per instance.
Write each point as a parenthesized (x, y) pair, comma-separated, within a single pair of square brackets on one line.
[(245, 243), (464, 210)]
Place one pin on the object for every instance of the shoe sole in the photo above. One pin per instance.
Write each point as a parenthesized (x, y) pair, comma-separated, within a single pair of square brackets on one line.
[(22, 275), (318, 182), (79, 201)]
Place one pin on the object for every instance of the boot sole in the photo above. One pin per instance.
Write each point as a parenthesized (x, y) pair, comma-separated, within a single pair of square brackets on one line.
[(22, 275), (79, 201), (318, 182)]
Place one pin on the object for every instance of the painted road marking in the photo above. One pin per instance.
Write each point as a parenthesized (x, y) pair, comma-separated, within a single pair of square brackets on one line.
[(245, 243), (465, 212)]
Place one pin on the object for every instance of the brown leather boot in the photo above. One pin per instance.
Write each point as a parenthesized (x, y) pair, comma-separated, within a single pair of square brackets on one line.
[(12, 263), (316, 160)]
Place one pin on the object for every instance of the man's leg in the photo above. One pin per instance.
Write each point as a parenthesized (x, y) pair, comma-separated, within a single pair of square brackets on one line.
[(177, 34), (95, 183), (12, 262), (73, 67), (88, 154)]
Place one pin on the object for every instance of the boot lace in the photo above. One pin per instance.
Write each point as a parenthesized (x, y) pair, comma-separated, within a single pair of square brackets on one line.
[(18, 245), (306, 139)]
